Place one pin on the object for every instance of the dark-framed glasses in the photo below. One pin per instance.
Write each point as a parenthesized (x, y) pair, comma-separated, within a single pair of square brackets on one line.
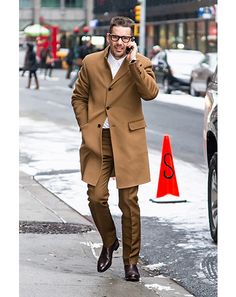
[(125, 39)]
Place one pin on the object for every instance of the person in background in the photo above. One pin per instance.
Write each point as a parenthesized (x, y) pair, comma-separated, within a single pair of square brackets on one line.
[(49, 63), (43, 54), (155, 50), (23, 69), (70, 62), (83, 51), (107, 102), (31, 65)]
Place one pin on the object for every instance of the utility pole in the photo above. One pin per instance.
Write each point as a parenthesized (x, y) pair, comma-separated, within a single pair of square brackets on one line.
[(89, 14), (36, 11), (142, 32)]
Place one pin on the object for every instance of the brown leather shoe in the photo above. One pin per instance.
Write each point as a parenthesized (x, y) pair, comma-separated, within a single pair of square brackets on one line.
[(105, 259), (131, 273)]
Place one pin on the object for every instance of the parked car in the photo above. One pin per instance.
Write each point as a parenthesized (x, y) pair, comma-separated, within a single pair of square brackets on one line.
[(173, 68), (202, 74), (210, 148)]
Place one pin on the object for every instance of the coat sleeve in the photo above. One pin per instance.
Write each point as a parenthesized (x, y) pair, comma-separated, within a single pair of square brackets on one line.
[(145, 79), (79, 99)]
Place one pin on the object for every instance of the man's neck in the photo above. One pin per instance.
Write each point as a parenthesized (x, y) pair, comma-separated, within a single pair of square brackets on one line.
[(121, 58)]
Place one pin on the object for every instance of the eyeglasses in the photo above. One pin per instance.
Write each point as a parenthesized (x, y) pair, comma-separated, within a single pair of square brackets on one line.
[(125, 39)]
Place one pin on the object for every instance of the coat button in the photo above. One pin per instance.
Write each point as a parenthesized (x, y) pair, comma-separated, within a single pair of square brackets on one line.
[(108, 107), (109, 89), (99, 125)]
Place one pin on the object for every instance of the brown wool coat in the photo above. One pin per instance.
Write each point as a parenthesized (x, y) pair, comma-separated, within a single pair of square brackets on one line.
[(97, 96)]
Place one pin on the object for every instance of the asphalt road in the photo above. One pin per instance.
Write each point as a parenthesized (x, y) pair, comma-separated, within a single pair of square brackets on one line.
[(194, 267), (183, 124)]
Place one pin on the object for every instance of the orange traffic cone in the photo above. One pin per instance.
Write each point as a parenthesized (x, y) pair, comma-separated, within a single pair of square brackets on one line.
[(167, 183)]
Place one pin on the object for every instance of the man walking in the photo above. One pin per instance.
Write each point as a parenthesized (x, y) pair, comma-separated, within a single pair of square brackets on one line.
[(108, 109)]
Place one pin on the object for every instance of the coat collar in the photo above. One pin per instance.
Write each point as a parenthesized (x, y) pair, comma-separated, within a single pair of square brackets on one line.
[(123, 68)]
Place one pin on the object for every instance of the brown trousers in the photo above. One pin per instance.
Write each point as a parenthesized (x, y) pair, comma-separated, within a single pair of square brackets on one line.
[(128, 203)]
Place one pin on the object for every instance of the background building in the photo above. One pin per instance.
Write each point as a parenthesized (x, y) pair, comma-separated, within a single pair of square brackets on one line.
[(189, 24), (169, 23), (66, 14)]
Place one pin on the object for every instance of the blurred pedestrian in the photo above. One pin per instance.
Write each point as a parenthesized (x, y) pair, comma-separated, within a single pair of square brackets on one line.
[(70, 62), (154, 57), (31, 65), (107, 105), (49, 63), (43, 56), (155, 50), (83, 51), (23, 68)]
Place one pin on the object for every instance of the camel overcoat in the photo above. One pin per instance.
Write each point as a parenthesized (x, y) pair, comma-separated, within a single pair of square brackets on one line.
[(97, 96)]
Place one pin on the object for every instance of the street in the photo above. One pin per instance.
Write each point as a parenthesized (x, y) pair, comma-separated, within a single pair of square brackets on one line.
[(175, 237)]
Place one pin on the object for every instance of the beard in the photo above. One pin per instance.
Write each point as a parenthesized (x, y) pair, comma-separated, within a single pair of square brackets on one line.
[(118, 52)]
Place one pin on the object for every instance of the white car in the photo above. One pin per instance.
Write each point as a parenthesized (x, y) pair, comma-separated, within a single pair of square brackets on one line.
[(211, 151)]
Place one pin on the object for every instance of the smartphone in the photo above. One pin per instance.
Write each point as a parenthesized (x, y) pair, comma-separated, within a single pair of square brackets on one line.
[(129, 49)]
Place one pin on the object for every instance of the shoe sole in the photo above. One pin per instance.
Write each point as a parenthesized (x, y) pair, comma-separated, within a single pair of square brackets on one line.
[(132, 279)]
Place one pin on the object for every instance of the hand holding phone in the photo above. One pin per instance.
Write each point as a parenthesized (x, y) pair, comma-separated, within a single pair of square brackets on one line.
[(129, 49)]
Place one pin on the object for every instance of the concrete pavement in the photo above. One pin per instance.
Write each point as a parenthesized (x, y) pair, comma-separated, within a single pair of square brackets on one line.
[(59, 249)]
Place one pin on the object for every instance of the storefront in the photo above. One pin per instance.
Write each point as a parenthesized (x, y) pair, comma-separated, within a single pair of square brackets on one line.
[(188, 34), (185, 24)]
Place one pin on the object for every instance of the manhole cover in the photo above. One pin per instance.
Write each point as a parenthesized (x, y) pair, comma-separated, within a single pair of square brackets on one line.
[(52, 227)]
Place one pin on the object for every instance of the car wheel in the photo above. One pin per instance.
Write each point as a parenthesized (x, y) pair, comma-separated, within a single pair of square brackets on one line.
[(192, 91), (212, 197), (166, 86)]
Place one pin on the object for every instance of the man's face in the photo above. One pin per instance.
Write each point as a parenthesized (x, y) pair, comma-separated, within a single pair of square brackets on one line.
[(118, 47)]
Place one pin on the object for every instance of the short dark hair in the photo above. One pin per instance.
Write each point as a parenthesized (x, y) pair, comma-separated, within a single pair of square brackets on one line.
[(122, 22)]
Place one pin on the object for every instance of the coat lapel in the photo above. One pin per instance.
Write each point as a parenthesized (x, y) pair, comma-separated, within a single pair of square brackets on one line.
[(121, 72), (123, 68)]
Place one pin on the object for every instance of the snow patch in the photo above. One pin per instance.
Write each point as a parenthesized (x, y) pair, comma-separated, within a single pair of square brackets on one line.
[(158, 287), (154, 266)]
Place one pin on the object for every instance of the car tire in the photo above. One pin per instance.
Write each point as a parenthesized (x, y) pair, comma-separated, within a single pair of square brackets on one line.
[(212, 197), (192, 91), (166, 86)]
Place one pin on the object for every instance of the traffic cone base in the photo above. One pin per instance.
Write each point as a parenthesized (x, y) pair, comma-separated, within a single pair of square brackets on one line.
[(167, 200)]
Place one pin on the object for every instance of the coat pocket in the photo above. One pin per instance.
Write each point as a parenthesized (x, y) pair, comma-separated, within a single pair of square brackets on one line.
[(135, 125)]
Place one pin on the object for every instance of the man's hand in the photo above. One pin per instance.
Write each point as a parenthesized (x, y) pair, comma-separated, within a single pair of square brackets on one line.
[(132, 54)]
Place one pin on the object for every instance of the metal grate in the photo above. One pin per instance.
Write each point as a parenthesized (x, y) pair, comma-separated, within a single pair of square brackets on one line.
[(52, 227)]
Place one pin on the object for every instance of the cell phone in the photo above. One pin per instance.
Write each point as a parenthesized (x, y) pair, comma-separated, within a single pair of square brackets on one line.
[(129, 49)]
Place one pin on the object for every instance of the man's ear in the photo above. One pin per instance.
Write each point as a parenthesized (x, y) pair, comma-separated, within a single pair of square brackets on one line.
[(108, 38)]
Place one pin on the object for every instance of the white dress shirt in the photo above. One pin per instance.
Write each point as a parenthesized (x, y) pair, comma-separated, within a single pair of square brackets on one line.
[(115, 66)]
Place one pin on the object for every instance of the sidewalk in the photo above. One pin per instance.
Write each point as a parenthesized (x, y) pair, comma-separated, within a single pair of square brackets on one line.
[(59, 249)]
